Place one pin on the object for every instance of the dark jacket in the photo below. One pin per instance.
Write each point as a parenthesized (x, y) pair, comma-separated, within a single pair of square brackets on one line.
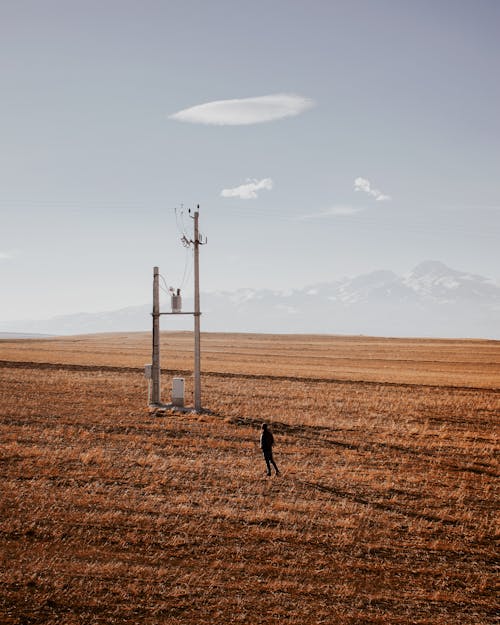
[(266, 441)]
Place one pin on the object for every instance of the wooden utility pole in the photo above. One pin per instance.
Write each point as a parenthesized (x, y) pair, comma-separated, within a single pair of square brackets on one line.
[(197, 350), (155, 369)]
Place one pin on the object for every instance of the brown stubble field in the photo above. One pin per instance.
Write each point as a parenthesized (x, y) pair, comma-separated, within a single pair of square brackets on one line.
[(386, 510)]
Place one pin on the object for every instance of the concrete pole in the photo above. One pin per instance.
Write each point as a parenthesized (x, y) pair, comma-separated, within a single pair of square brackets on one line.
[(197, 365), (155, 369)]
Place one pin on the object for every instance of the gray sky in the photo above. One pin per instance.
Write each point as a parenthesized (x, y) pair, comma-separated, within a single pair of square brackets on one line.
[(379, 147)]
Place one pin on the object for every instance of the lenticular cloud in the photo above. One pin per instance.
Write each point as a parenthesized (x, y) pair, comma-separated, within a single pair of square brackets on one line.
[(245, 111)]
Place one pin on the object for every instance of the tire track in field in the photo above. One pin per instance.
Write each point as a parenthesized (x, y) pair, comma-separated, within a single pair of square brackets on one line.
[(20, 364)]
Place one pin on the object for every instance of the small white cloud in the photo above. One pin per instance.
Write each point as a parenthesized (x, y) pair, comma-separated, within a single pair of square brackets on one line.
[(245, 111), (5, 255), (334, 211), (362, 184), (249, 190)]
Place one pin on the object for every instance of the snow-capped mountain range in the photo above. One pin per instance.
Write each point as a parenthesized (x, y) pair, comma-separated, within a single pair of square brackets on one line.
[(433, 300)]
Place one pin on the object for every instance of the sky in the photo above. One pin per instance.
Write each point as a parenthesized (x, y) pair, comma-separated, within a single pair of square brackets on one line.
[(320, 139)]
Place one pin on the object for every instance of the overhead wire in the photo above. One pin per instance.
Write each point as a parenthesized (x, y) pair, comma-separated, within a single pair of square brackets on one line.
[(364, 221), (187, 264), (165, 288), (278, 214), (191, 264), (182, 231), (188, 258), (183, 224)]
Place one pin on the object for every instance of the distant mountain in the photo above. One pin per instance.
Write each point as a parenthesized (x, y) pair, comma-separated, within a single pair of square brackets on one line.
[(432, 300), (434, 281)]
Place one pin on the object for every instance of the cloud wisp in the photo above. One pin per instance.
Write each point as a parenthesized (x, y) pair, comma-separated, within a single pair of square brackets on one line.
[(333, 211), (5, 255), (362, 184), (245, 111), (249, 190)]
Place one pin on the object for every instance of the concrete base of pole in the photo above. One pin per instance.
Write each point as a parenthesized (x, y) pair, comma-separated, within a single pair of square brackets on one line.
[(160, 410)]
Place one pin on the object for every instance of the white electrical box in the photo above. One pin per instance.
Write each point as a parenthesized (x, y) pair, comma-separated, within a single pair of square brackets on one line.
[(178, 392), (148, 371)]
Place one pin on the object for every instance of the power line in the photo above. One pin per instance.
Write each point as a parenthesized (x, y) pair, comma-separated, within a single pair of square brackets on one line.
[(187, 264), (182, 231)]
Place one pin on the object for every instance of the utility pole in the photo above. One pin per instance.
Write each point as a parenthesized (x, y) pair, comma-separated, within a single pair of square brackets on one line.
[(197, 351), (155, 369)]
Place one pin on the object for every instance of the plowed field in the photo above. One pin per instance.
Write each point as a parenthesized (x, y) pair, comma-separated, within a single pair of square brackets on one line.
[(386, 509)]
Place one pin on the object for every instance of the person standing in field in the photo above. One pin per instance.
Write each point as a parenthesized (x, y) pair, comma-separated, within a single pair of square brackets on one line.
[(266, 444)]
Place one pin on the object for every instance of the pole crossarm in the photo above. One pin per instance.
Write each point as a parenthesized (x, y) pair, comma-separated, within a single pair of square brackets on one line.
[(180, 313)]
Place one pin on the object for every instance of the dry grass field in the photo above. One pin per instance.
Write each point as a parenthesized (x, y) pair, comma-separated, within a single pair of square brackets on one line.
[(386, 511), (472, 363)]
